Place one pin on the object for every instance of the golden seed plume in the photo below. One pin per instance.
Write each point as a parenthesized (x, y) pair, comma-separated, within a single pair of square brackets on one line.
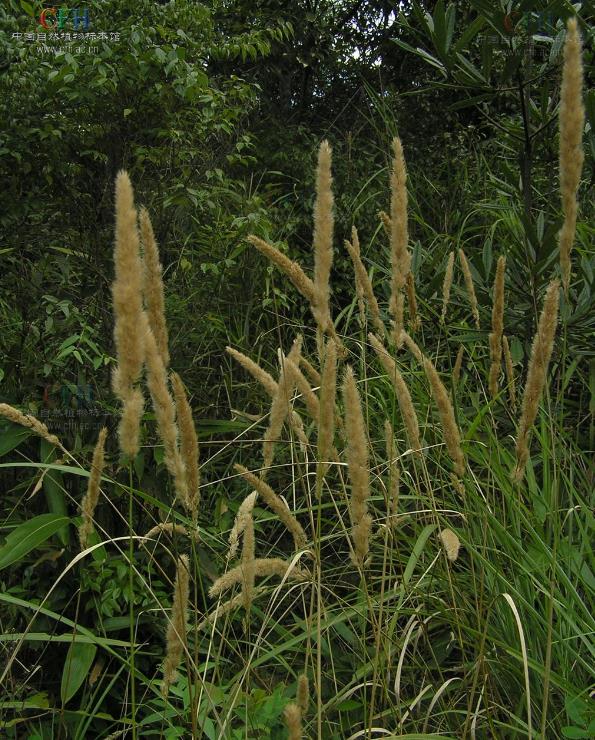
[(470, 287), (450, 429), (26, 420), (260, 375), (226, 607), (497, 327), (401, 392), (414, 319), (509, 371), (248, 559), (153, 285), (326, 419), (311, 371), (456, 373), (176, 629), (189, 449), (303, 387), (277, 504), (323, 237), (262, 567), (92, 495), (165, 414), (363, 284), (447, 284), (127, 302), (244, 513), (358, 466), (291, 269), (303, 693), (451, 544), (571, 155), (171, 528), (399, 238), (541, 352), (292, 715)]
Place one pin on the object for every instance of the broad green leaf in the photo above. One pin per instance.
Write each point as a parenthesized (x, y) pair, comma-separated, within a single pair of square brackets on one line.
[(76, 668), (12, 437), (53, 487), (28, 536)]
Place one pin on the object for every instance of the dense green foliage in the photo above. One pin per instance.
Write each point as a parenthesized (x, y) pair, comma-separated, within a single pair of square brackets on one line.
[(216, 109)]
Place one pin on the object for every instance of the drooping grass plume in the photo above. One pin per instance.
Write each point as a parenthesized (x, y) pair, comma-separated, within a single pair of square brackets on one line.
[(456, 371), (244, 513), (326, 418), (165, 414), (451, 544), (470, 287), (447, 284), (277, 504), (91, 497), (292, 715), (304, 388), (323, 237), (401, 391), (509, 371), (248, 559), (541, 352), (571, 155), (394, 474), (153, 285), (399, 238), (171, 528), (258, 373), (128, 308), (303, 693), (226, 607), (176, 629), (497, 327), (358, 467), (291, 269), (26, 420), (363, 284), (311, 371), (189, 449), (450, 429), (262, 567), (414, 319)]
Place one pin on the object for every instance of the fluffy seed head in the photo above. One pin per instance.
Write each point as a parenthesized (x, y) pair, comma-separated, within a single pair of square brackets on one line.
[(446, 285), (451, 544), (323, 236), (189, 449), (470, 287), (153, 285), (176, 630), (92, 496)]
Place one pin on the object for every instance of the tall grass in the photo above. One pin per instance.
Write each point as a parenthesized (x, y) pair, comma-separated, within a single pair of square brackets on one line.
[(388, 560)]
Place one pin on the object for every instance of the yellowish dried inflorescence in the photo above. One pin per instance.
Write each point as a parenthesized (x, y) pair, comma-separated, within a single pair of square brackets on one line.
[(128, 309), (26, 420), (509, 371), (323, 238), (258, 373), (262, 567), (451, 544), (277, 504), (456, 372), (91, 497), (399, 238), (326, 416), (293, 721), (541, 352), (401, 392), (303, 693), (241, 520), (447, 284), (571, 155), (189, 450), (394, 475), (291, 269), (153, 285), (358, 466), (450, 429), (497, 327), (176, 630), (470, 287), (363, 284)]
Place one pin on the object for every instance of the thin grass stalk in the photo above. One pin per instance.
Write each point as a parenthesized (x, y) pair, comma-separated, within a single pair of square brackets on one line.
[(497, 327), (571, 155), (541, 352)]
